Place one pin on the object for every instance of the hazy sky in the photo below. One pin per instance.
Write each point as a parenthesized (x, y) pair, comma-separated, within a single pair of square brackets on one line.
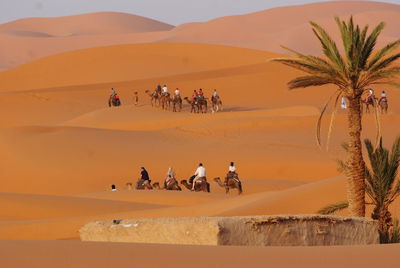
[(171, 11)]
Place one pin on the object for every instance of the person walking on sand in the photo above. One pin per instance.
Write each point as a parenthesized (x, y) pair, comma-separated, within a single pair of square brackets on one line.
[(113, 93), (136, 97), (199, 174), (344, 103)]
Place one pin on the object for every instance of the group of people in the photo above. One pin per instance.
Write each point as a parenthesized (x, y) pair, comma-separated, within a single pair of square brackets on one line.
[(199, 174), (369, 97), (196, 96), (114, 97)]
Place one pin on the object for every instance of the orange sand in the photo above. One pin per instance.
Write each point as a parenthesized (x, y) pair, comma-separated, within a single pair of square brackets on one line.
[(62, 148)]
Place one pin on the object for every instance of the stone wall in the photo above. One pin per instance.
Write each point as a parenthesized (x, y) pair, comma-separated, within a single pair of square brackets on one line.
[(284, 230)]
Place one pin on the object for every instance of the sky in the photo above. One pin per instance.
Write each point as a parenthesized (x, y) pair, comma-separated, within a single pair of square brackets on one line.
[(174, 12)]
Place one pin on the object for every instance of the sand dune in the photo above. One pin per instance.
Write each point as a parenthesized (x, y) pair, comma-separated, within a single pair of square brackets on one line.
[(54, 253), (87, 24), (30, 39), (127, 62), (16, 207), (266, 30)]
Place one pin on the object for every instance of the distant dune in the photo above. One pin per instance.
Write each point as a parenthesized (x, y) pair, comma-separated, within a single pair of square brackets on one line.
[(29, 39), (288, 26), (88, 24)]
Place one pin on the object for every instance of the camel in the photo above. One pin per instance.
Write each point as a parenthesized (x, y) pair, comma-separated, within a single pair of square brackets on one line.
[(369, 102), (201, 186), (176, 104), (170, 186), (233, 183), (193, 104), (216, 104), (154, 97), (383, 104), (144, 185), (202, 103), (114, 101), (165, 101)]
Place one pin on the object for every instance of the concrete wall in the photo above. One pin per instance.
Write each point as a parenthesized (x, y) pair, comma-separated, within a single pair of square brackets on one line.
[(285, 230)]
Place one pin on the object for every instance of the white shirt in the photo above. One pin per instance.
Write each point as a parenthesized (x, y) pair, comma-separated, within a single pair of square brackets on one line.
[(232, 168), (215, 94), (383, 95), (200, 172), (177, 92), (165, 90)]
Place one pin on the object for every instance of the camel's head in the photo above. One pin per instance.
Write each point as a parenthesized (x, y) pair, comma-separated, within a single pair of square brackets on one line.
[(217, 179), (147, 91), (183, 182), (186, 98)]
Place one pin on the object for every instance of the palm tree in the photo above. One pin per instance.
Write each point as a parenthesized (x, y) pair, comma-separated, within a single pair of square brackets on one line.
[(353, 72), (382, 185)]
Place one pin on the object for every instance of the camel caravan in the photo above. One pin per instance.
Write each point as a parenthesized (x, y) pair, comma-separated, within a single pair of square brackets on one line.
[(161, 97), (196, 183), (370, 100)]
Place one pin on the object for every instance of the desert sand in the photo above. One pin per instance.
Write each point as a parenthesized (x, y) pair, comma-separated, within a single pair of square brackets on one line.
[(63, 147)]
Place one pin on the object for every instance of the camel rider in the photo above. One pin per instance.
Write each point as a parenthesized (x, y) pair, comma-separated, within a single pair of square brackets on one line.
[(200, 94), (231, 172), (199, 175), (215, 94), (194, 96), (165, 90), (177, 93), (144, 175), (383, 94), (170, 176), (159, 89)]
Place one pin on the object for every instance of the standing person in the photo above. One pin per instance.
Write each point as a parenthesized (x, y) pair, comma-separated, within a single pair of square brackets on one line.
[(136, 97), (113, 93), (199, 174), (165, 90), (344, 103)]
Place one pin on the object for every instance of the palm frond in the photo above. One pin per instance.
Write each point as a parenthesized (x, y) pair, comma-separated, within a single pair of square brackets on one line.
[(330, 209), (319, 123), (383, 52)]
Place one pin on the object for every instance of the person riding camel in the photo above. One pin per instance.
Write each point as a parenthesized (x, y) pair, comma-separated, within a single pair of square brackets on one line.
[(144, 177), (231, 173), (194, 96), (215, 95), (165, 90), (200, 174), (200, 94), (158, 89), (170, 177), (177, 93), (383, 97)]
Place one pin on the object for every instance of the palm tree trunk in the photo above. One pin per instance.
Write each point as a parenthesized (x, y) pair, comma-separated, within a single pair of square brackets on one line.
[(384, 218), (355, 163)]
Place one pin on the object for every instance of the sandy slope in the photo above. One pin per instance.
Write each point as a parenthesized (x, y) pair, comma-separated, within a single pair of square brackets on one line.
[(87, 24), (54, 253), (267, 30), (63, 147), (30, 39)]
